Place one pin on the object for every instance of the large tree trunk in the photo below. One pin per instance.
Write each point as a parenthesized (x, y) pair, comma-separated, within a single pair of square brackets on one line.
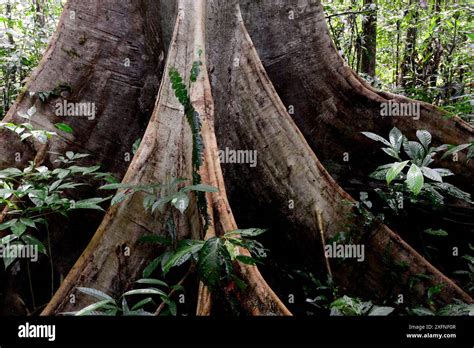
[(87, 62), (252, 116), (331, 106), (165, 152)]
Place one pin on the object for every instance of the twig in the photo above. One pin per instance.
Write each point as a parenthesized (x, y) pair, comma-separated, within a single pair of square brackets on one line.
[(162, 305), (319, 221), (50, 257), (30, 282)]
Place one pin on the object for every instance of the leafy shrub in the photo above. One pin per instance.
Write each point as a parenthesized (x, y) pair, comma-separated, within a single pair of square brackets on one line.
[(414, 176)]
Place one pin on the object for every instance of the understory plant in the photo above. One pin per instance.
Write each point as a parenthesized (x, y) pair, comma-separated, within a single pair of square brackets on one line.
[(31, 196), (411, 175)]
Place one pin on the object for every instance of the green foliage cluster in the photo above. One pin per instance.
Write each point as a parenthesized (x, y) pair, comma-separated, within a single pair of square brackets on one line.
[(25, 29), (31, 196), (414, 177), (213, 258)]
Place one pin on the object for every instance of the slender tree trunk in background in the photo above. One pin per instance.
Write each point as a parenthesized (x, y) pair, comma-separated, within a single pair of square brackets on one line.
[(409, 60), (396, 78), (369, 34), (298, 106), (10, 77), (8, 13), (39, 17), (449, 73), (433, 52)]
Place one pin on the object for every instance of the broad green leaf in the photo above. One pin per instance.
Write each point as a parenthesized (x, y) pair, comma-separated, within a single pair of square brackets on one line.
[(443, 172), (40, 136), (421, 311), (25, 136), (120, 197), (455, 149), (55, 185), (428, 159), (148, 291), (64, 127), (148, 201), (200, 187), (116, 186), (96, 294), (10, 172), (439, 232), (142, 303), (393, 172), (391, 152), (31, 111), (380, 173), (151, 281), (349, 306), (381, 311), (414, 150), (247, 260), (239, 282), (8, 224), (171, 306), (178, 287), (249, 232), (140, 313), (431, 174), (376, 137), (7, 261), (91, 203), (214, 261), (161, 202), (31, 240), (424, 137), (180, 202), (94, 307), (414, 179), (18, 228), (152, 266), (453, 191), (125, 307), (69, 185), (28, 222), (184, 252), (396, 138), (7, 239), (470, 154)]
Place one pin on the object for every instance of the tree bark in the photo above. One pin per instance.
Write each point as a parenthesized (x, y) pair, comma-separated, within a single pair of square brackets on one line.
[(86, 62), (408, 67), (329, 101), (252, 116), (369, 34), (165, 152)]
